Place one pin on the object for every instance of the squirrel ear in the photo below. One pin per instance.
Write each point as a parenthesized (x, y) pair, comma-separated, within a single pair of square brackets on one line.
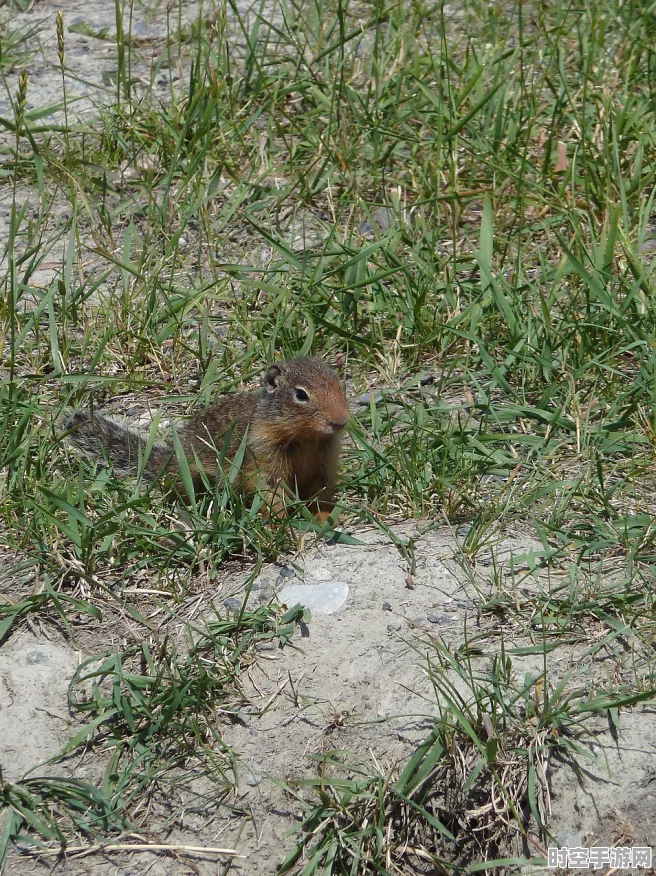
[(272, 378)]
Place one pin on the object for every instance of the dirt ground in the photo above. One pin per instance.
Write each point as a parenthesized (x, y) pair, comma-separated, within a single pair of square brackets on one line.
[(356, 680)]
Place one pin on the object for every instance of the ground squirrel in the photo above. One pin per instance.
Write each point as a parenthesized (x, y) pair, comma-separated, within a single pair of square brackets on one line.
[(293, 426)]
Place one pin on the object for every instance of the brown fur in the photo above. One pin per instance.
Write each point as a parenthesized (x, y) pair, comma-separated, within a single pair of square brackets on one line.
[(293, 426)]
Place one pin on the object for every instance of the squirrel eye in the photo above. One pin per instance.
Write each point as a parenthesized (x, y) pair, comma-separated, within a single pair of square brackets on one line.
[(301, 394)]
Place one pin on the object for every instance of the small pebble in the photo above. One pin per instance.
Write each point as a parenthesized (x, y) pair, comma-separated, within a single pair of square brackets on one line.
[(437, 618), (365, 400), (649, 244), (394, 626), (387, 606), (232, 603), (420, 621), (253, 781), (383, 219), (426, 381), (265, 646), (266, 593), (285, 572), (570, 839)]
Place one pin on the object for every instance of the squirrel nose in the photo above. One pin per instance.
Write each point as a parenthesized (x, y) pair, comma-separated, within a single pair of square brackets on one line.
[(339, 422)]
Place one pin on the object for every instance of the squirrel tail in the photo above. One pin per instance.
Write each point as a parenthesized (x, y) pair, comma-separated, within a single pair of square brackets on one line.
[(102, 437)]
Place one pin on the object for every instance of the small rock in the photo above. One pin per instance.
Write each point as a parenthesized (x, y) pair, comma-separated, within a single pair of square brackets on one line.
[(232, 603), (35, 657), (365, 400), (267, 577), (420, 621), (649, 243), (265, 646), (570, 839), (427, 380), (286, 572), (394, 626), (325, 598), (387, 606), (382, 219), (254, 780), (266, 594), (437, 618)]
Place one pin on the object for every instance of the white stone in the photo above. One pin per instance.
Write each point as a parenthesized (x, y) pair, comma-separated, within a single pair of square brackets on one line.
[(325, 598)]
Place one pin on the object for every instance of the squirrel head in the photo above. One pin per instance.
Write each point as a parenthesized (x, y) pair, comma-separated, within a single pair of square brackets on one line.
[(304, 399)]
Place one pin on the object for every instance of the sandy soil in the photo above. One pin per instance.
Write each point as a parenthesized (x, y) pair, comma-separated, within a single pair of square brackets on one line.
[(356, 680)]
